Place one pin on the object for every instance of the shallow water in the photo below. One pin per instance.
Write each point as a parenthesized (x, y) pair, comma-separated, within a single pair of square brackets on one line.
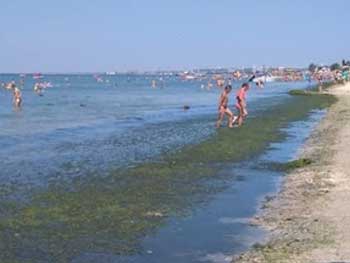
[(220, 228), (123, 123)]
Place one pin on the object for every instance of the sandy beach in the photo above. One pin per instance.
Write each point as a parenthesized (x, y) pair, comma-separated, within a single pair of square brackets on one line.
[(309, 218)]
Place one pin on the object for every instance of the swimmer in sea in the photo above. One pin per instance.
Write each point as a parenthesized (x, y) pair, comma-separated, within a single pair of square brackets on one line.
[(260, 84), (241, 104), (10, 86), (223, 108), (154, 84), (38, 89), (220, 83), (210, 85), (17, 97)]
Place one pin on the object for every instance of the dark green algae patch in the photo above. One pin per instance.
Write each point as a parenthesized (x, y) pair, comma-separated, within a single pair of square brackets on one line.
[(288, 166), (112, 214), (301, 92)]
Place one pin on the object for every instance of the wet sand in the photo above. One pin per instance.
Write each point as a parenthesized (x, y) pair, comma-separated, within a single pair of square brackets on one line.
[(309, 220)]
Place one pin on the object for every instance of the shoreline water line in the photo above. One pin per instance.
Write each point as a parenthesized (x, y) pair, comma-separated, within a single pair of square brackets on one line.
[(114, 214), (305, 220), (223, 220)]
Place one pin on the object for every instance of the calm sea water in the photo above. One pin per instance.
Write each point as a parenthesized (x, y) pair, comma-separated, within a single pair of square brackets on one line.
[(82, 125)]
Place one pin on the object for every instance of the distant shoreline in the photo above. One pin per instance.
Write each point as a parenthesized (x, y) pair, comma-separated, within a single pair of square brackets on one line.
[(215, 70)]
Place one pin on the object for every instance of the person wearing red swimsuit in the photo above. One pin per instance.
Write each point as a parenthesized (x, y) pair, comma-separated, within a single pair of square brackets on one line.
[(241, 104)]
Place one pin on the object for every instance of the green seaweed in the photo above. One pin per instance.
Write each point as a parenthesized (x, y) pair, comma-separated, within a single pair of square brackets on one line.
[(300, 92), (112, 214), (296, 164), (314, 89), (288, 166)]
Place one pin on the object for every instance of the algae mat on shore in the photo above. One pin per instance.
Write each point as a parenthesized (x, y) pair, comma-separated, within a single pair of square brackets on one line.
[(112, 214)]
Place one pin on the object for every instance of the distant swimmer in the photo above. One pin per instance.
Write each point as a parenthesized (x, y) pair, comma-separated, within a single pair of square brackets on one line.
[(223, 108), (241, 104), (260, 84), (154, 84), (210, 85), (46, 85), (17, 97), (186, 107), (38, 89), (237, 75), (220, 83), (10, 86)]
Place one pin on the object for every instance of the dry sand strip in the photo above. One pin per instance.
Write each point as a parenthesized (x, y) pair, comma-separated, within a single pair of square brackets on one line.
[(309, 220)]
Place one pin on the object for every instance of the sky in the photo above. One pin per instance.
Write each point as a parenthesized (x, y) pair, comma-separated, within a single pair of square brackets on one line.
[(109, 35)]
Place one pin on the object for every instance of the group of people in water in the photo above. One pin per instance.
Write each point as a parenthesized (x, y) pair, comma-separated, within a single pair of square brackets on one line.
[(224, 110), (17, 94), (241, 106), (223, 107)]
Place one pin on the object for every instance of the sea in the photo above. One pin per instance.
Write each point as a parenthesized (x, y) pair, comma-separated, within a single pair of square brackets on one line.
[(87, 124)]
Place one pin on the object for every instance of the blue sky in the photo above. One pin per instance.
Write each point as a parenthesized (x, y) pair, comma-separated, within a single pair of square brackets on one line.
[(80, 35)]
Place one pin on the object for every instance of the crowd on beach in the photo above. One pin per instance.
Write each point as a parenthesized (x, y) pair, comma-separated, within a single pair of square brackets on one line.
[(336, 73)]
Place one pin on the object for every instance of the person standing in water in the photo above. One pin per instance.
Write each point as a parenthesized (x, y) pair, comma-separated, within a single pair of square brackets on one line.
[(223, 108), (154, 84), (17, 97), (38, 89), (241, 104), (260, 84)]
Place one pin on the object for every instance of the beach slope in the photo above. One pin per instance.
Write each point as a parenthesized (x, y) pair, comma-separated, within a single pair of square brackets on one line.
[(309, 220)]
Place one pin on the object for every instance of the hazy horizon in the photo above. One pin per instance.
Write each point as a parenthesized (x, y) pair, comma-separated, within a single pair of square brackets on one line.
[(65, 36), (137, 71)]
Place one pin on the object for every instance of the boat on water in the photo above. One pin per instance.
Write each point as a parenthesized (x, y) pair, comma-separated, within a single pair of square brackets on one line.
[(98, 78), (265, 78), (37, 76), (188, 76), (111, 73)]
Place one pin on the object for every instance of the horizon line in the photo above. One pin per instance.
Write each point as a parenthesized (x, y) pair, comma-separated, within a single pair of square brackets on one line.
[(138, 71)]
